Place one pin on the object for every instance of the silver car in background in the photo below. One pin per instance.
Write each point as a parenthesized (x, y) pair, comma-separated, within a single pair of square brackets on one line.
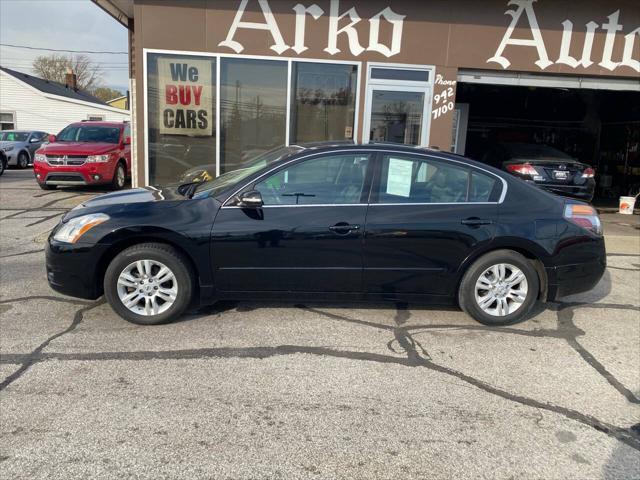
[(19, 146)]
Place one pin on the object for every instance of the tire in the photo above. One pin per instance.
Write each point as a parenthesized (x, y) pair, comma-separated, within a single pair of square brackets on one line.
[(148, 293), (23, 160), (119, 177), (44, 186), (470, 299), (3, 166)]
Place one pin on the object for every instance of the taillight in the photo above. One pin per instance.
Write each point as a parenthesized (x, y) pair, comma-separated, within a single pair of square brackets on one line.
[(522, 169), (584, 216), (588, 173)]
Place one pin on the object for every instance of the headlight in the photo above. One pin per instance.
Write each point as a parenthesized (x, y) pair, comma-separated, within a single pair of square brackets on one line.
[(8, 148), (40, 157), (98, 158), (71, 231)]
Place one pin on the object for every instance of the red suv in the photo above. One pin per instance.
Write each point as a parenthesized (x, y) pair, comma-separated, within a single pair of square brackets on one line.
[(85, 153)]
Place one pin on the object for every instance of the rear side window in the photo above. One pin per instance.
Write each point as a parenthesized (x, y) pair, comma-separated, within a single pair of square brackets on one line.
[(417, 180), (483, 188)]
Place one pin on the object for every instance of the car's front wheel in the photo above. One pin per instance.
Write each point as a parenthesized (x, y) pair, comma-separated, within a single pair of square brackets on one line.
[(119, 177), (3, 165), (499, 288), (149, 284)]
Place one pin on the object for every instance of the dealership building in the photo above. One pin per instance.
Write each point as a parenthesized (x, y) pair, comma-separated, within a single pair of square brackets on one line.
[(215, 82)]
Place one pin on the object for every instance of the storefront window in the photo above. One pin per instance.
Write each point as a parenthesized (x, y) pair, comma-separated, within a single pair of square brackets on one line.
[(323, 102), (396, 116), (253, 104), (181, 116)]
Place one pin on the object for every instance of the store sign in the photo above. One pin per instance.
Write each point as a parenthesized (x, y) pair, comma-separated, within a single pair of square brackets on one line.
[(186, 100), (394, 20), (525, 8)]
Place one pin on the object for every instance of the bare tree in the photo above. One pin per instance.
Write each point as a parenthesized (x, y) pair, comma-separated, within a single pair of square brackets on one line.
[(54, 68)]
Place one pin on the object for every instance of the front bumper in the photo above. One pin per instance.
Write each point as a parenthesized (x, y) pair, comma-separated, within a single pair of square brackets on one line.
[(72, 269), (69, 175)]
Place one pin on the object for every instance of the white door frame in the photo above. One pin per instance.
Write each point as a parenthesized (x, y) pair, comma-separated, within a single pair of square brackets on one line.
[(425, 87)]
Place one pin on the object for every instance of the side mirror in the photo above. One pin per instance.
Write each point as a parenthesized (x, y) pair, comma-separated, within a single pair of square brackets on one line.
[(251, 199), (52, 138), (127, 140), (34, 140)]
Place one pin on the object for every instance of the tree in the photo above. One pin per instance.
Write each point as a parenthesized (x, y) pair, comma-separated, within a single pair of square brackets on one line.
[(105, 93), (55, 67)]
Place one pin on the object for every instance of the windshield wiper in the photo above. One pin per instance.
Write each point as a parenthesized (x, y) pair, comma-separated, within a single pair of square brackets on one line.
[(188, 189)]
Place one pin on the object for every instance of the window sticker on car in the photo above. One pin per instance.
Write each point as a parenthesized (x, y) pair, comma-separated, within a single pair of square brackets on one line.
[(399, 177)]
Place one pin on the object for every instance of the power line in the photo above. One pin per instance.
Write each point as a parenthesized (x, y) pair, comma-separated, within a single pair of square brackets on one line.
[(62, 50)]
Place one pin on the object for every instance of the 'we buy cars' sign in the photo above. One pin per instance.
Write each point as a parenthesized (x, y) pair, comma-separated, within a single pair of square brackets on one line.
[(186, 100)]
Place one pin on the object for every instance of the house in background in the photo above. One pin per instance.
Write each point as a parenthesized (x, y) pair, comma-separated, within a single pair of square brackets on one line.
[(32, 103), (120, 102)]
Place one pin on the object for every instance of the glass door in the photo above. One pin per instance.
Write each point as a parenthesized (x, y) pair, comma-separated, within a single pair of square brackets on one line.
[(397, 105)]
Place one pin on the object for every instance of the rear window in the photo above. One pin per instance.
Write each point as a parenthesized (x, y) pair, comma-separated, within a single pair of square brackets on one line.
[(89, 133)]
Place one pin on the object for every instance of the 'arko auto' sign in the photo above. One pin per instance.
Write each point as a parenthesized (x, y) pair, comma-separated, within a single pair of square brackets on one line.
[(186, 101)]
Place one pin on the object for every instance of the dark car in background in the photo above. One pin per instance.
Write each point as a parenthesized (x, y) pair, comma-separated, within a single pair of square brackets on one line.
[(333, 222), (18, 147), (545, 166)]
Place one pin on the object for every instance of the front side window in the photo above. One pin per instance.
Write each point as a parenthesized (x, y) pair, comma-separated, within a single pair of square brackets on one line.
[(327, 180)]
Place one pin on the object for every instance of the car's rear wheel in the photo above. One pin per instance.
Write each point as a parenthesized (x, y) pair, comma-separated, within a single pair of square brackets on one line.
[(44, 186), (499, 288), (119, 177), (23, 160), (149, 284)]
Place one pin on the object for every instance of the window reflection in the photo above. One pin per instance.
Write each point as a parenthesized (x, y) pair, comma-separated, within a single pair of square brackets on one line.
[(323, 106), (396, 117), (253, 102), (173, 148)]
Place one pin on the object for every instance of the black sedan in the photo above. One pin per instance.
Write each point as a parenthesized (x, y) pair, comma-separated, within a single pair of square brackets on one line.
[(332, 222), (546, 167)]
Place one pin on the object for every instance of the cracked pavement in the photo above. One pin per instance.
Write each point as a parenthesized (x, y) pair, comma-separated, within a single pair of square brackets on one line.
[(263, 390)]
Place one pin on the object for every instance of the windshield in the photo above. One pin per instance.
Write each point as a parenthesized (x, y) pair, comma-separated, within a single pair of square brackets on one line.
[(13, 136), (89, 133), (248, 168)]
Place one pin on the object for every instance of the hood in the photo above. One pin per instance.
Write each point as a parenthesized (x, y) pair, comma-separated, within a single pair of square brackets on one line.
[(135, 195), (77, 148)]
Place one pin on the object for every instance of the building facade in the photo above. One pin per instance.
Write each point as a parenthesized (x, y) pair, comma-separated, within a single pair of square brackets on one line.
[(215, 82), (32, 103)]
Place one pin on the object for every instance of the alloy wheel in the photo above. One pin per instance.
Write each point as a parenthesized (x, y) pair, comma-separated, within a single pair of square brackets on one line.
[(147, 287), (501, 289), (120, 176)]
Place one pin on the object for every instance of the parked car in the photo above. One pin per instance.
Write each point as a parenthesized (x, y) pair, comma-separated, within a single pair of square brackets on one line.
[(358, 222), (85, 153), (19, 146), (547, 167)]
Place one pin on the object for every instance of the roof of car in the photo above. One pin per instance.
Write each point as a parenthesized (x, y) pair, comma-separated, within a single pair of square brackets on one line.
[(53, 88), (331, 145), (99, 123)]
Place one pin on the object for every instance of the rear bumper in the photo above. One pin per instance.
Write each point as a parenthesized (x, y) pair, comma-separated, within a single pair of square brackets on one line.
[(71, 269), (581, 192), (577, 278)]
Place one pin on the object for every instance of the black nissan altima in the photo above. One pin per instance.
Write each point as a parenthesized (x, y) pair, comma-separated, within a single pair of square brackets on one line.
[(332, 222)]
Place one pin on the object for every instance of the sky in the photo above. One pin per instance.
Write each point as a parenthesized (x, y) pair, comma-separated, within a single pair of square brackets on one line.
[(63, 24)]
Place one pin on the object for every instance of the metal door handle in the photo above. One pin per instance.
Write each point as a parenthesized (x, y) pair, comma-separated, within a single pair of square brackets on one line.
[(476, 222), (343, 228)]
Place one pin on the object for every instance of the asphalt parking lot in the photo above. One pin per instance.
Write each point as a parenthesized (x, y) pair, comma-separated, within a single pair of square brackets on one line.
[(259, 391)]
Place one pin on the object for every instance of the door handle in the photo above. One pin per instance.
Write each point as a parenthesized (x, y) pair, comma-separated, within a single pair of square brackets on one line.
[(476, 222), (343, 228)]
